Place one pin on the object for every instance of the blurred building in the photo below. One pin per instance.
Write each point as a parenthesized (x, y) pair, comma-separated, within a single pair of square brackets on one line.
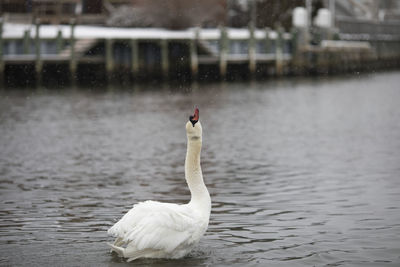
[(263, 13), (367, 16), (54, 12), (178, 14), (173, 14), (126, 13), (383, 10)]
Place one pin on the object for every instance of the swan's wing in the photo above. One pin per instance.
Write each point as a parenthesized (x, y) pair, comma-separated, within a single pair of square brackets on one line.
[(155, 225)]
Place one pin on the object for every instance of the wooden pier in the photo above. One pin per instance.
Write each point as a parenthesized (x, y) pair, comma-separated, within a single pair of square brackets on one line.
[(147, 54), (153, 52)]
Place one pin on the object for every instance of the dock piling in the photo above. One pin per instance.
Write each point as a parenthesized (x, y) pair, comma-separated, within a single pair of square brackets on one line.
[(26, 42), (109, 58), (294, 42), (267, 40), (1, 53), (194, 60), (164, 58), (252, 50), (223, 51), (134, 58), (38, 61), (59, 41), (72, 59), (279, 52)]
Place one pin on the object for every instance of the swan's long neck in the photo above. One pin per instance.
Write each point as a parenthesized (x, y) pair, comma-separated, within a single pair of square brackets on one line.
[(200, 198)]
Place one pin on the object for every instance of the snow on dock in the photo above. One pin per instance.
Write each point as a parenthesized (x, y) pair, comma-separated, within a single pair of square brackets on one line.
[(11, 31)]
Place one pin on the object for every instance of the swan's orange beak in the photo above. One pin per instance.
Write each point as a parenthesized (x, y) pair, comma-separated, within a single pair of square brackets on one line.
[(195, 118)]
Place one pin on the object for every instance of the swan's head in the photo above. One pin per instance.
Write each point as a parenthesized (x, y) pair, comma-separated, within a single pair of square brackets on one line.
[(193, 127)]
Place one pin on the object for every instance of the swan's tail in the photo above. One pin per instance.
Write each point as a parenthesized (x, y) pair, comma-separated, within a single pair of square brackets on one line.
[(119, 250), (132, 254)]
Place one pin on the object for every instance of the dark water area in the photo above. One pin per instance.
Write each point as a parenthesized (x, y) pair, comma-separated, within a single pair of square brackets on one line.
[(302, 172)]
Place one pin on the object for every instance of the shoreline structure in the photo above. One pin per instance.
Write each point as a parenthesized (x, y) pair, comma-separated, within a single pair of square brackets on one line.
[(74, 54)]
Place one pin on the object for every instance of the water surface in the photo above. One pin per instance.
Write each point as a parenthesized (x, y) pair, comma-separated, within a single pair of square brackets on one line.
[(302, 172)]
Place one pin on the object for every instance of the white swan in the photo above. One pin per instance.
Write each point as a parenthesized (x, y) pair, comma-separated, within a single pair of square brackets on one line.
[(153, 229)]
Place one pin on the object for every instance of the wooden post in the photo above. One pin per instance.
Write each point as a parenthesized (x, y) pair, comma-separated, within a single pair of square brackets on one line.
[(194, 60), (308, 36), (134, 58), (293, 40), (72, 59), (26, 42), (59, 41), (1, 53), (252, 51), (223, 51), (38, 62), (164, 58), (109, 58), (294, 66), (279, 52), (267, 40)]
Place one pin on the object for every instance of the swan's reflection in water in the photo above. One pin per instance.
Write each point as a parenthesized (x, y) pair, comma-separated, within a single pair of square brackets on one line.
[(301, 172)]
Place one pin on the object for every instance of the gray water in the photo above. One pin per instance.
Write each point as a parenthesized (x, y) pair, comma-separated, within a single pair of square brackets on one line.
[(302, 172)]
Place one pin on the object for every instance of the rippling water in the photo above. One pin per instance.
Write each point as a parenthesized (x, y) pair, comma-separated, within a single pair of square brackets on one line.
[(301, 171)]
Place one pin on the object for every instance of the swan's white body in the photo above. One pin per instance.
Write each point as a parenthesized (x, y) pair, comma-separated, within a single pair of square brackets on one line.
[(153, 229)]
